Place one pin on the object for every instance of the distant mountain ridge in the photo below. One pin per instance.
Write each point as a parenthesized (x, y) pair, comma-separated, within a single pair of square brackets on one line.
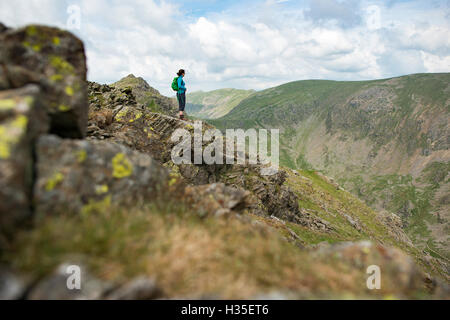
[(385, 140), (215, 104)]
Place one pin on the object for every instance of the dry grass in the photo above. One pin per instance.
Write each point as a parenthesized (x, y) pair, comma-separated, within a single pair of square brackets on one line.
[(189, 256)]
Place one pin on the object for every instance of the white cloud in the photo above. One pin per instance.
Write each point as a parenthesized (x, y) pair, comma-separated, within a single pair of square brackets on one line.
[(257, 47), (434, 63)]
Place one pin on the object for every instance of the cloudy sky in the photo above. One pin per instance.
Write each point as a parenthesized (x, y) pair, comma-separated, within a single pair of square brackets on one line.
[(249, 44)]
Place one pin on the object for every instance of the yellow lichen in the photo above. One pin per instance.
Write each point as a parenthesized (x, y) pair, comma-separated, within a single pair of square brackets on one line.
[(56, 179), (63, 108), (121, 115), (69, 91), (175, 172), (31, 31), (56, 77), (56, 41), (81, 156), (4, 144), (36, 47), (4, 150), (7, 104), (102, 189), (29, 100), (10, 134), (172, 182), (96, 206), (20, 122), (121, 166), (136, 117), (61, 65)]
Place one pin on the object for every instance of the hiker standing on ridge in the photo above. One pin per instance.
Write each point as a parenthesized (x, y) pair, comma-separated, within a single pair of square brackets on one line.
[(180, 87)]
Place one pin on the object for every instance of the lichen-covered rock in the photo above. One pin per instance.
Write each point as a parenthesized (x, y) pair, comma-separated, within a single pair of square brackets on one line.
[(22, 120), (148, 132), (218, 199), (137, 128), (85, 176), (276, 199), (55, 60), (102, 96)]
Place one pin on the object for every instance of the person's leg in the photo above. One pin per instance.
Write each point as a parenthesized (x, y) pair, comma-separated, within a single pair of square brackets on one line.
[(182, 104)]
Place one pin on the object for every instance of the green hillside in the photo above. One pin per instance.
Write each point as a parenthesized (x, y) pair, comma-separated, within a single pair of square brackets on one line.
[(384, 140), (215, 104)]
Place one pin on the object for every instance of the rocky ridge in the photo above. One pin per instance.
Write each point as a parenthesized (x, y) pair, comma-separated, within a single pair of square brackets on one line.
[(147, 96)]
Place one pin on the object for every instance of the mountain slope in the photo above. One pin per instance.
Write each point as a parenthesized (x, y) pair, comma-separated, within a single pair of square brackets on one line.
[(215, 104), (387, 141)]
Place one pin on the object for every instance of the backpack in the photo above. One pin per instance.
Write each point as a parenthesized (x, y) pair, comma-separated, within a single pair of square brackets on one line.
[(175, 84)]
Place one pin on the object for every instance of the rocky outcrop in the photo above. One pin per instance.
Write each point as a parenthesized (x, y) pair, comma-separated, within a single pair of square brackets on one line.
[(148, 132), (218, 199), (147, 96), (105, 102), (22, 120), (84, 176), (42, 89), (55, 60), (103, 96)]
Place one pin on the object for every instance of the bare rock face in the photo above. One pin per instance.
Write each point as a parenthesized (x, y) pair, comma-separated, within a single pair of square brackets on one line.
[(84, 176), (55, 60), (22, 120)]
